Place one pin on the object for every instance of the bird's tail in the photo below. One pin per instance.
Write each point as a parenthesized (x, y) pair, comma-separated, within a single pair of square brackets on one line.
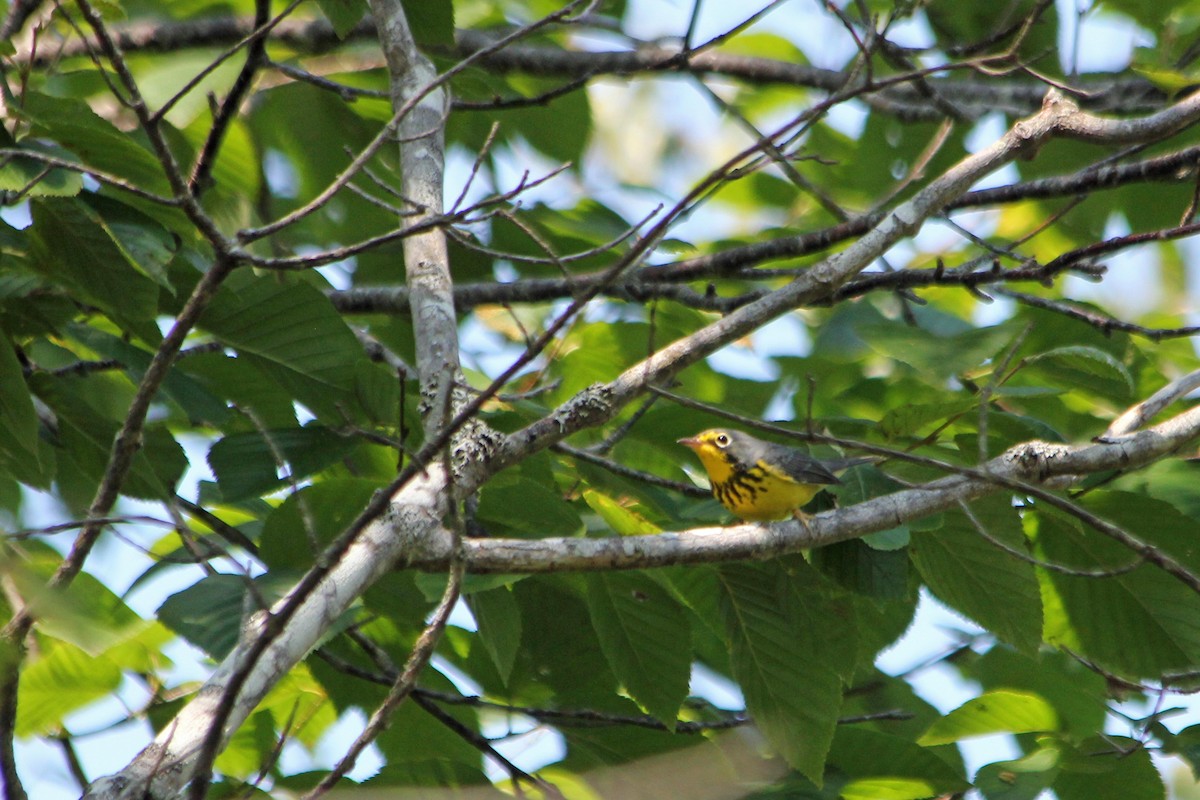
[(840, 464)]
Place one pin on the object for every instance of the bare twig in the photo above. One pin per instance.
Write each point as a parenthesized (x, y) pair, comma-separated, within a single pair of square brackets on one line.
[(1139, 414), (405, 683)]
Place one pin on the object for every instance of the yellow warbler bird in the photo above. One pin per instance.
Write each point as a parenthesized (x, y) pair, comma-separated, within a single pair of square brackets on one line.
[(759, 480)]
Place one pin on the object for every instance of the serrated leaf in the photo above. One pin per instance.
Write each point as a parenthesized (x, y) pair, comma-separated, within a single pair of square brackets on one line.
[(299, 703), (1081, 366), (422, 751), (289, 324), (1077, 694), (146, 245), (1185, 745), (97, 142), (933, 354), (827, 624), (248, 748), (794, 703), (1000, 711), (559, 128), (199, 404), (646, 638), (977, 578), (85, 614), (499, 620), (875, 573), (1082, 612)]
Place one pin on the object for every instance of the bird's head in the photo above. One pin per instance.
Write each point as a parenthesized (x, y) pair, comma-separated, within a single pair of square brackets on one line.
[(720, 449)]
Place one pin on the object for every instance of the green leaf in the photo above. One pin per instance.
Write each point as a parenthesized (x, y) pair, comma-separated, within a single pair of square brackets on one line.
[(875, 573), (559, 127), (19, 445), (1000, 711), (86, 614), (885, 767), (1185, 745), (499, 622), (974, 576), (1101, 763), (86, 436), (208, 613), (527, 508), (623, 521), (645, 636), (244, 384), (345, 14), (146, 245), (310, 518), (68, 240), (1081, 366), (422, 751), (560, 650), (908, 420), (793, 701), (828, 624), (97, 142), (288, 324), (249, 747), (62, 680), (1082, 611), (1078, 694), (31, 176), (1172, 480), (298, 703), (1023, 779), (245, 463), (200, 405), (1157, 521), (432, 21), (936, 353)]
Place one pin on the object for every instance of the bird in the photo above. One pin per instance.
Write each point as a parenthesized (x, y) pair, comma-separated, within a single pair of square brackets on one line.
[(762, 481)]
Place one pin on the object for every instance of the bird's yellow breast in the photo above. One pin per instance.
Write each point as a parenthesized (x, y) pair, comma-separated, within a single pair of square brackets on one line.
[(759, 493)]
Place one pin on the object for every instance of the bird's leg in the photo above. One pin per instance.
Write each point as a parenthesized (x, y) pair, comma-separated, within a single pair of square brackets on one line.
[(804, 520)]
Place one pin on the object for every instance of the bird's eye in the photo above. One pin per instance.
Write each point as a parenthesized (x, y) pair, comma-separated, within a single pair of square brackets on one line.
[(722, 440)]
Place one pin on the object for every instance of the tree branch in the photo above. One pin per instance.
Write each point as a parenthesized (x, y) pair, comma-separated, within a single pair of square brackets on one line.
[(601, 402), (1034, 463), (427, 264), (970, 96), (652, 282)]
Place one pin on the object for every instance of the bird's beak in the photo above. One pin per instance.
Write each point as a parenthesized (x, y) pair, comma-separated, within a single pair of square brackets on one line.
[(691, 442)]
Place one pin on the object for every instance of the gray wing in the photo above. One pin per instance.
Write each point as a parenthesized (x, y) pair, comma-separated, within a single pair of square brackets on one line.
[(802, 467)]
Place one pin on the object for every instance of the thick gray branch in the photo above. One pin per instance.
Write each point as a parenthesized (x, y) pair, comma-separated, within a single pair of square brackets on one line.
[(1033, 463), (167, 764), (427, 265)]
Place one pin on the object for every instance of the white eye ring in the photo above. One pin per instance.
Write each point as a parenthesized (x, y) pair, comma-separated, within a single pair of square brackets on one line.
[(722, 440)]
